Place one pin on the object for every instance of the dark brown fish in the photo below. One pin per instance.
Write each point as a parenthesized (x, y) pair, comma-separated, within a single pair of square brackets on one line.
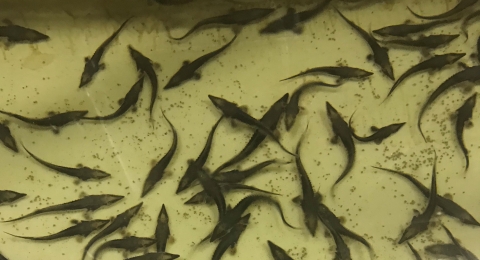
[(54, 122), (7, 138), (203, 198), (130, 244), (464, 115), (162, 231), (343, 72), (429, 42), (155, 256), (17, 34), (461, 6), (402, 30), (8, 196), (235, 176), (414, 252), (277, 252), (380, 133), (231, 239)]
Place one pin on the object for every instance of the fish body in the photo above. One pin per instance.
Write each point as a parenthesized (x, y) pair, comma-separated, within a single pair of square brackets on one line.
[(84, 229), (239, 17), (7, 138), (342, 252), (277, 252), (155, 256), (270, 119), (8, 196), (464, 115), (414, 252), (129, 101), (467, 20), (90, 203), (342, 130), (380, 54), (435, 63), (235, 176), (231, 110), (213, 190), (55, 121), (402, 30), (157, 172), (464, 252), (445, 250), (203, 198), (130, 244), (189, 69), (121, 220), (190, 175), (430, 42), (92, 64), (461, 6), (379, 135), (343, 72), (231, 239), (470, 74), (83, 173), (144, 65), (162, 231), (17, 34)]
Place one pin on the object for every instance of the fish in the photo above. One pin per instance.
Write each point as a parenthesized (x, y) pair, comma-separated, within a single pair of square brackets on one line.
[(84, 229), (291, 20), (190, 175), (466, 22), (2, 257), (231, 239), (7, 138), (188, 70), (270, 119), (478, 49), (212, 189), (342, 130), (238, 17), (129, 101), (436, 63), (9, 196), (83, 173), (144, 65), (157, 172), (342, 252), (235, 176), (54, 121), (464, 115), (234, 215), (414, 252), (403, 30), (470, 74), (231, 110), (429, 42), (92, 64), (162, 232), (131, 243), (445, 250), (121, 220), (17, 34), (461, 6), (464, 252), (419, 223), (292, 109), (343, 72), (89, 203), (380, 54), (155, 256), (448, 206), (202, 197), (277, 252), (380, 133)]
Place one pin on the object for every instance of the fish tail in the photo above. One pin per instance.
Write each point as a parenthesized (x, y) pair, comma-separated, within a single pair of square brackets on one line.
[(279, 208)]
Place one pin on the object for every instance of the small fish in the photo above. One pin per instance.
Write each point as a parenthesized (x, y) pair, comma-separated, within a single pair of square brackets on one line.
[(292, 20), (402, 30), (190, 175), (92, 64), (419, 223), (17, 34), (462, 5), (343, 72), (8, 196), (292, 109), (162, 232), (429, 42), (203, 198), (270, 119), (55, 121), (84, 229), (464, 252), (464, 115), (231, 110), (380, 54), (121, 220), (211, 187), (470, 74), (342, 252), (83, 173), (234, 215), (156, 173), (414, 252), (129, 101), (130, 244), (7, 138), (277, 252), (467, 20), (435, 63), (231, 239), (380, 133), (239, 17), (144, 64), (235, 176), (445, 250), (342, 130), (90, 203), (155, 256), (188, 70), (448, 206)]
